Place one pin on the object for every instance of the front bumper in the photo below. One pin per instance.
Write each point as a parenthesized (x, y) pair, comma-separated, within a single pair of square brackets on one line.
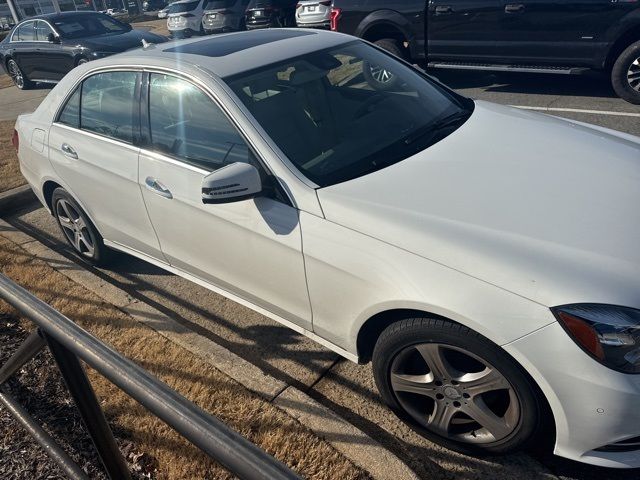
[(593, 406)]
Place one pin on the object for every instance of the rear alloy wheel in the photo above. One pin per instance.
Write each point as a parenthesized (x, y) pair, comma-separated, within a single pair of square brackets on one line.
[(18, 78), (78, 230), (625, 75), (455, 387)]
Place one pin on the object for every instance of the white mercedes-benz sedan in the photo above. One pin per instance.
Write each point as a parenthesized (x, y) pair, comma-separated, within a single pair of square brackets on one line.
[(484, 258)]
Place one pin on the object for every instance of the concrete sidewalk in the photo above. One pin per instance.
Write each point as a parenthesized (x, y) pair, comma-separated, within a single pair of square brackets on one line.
[(14, 102)]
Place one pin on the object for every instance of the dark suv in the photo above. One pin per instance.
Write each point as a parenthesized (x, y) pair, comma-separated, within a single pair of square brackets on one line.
[(552, 36), (270, 13)]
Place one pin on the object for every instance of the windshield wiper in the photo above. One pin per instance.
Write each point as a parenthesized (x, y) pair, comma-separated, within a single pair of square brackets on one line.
[(446, 122)]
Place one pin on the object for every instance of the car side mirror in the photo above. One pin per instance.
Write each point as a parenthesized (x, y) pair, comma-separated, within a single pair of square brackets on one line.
[(53, 38), (235, 182)]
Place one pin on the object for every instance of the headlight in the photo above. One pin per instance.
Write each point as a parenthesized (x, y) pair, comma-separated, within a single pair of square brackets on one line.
[(608, 333)]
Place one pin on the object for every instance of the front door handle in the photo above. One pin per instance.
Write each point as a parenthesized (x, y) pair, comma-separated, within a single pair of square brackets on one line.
[(68, 151), (514, 8), (443, 9), (158, 188)]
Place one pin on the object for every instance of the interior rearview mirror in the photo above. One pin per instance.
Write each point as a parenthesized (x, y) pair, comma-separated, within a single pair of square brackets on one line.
[(235, 182), (53, 38)]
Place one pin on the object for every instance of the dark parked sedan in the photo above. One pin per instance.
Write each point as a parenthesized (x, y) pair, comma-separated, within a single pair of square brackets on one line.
[(45, 48), (270, 14)]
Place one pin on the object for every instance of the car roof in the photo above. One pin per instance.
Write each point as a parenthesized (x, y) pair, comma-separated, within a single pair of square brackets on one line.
[(55, 16), (228, 54)]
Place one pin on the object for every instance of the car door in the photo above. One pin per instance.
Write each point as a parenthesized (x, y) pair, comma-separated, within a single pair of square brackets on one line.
[(92, 147), (23, 44), (464, 30), (570, 32), (51, 60), (250, 248)]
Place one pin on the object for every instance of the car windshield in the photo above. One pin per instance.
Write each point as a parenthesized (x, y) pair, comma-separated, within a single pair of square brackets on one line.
[(347, 111), (215, 4), (183, 7), (88, 25)]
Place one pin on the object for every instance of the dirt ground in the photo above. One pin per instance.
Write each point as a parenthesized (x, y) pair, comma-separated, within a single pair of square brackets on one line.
[(40, 388), (10, 176), (261, 422)]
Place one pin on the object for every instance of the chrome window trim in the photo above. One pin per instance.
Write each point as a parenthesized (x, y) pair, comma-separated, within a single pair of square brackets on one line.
[(15, 29), (195, 81), (97, 136)]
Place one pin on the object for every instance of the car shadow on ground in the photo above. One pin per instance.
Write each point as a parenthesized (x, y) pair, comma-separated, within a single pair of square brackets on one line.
[(587, 85), (261, 344)]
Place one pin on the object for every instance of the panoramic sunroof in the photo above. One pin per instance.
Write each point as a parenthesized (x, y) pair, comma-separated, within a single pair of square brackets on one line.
[(228, 44)]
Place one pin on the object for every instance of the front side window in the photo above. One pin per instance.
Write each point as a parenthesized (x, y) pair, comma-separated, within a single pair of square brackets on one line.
[(42, 31), (185, 123), (108, 105), (344, 112), (25, 33)]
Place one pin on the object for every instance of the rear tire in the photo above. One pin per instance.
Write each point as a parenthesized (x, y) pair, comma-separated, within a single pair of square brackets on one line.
[(19, 79), (78, 230), (456, 388), (625, 75)]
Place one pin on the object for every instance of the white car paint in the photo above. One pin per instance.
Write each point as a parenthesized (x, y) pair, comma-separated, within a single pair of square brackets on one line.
[(444, 232), (189, 22)]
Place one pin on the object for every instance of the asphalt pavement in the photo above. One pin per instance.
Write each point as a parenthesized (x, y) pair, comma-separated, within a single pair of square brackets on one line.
[(341, 385)]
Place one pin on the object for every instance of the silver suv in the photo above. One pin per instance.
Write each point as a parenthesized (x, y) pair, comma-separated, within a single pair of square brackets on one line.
[(224, 16), (313, 13)]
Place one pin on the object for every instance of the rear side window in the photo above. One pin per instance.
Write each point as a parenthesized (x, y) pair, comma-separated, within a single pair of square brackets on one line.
[(109, 103), (70, 114), (185, 123), (25, 33)]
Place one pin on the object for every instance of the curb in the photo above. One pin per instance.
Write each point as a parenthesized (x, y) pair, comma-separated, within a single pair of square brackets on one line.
[(353, 443), (16, 197)]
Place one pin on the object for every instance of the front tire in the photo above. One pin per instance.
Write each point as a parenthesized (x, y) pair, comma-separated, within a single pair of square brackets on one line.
[(625, 75), (78, 229), (455, 387), (19, 79)]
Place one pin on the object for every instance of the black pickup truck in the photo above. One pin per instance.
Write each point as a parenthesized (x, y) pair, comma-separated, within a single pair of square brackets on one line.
[(551, 36)]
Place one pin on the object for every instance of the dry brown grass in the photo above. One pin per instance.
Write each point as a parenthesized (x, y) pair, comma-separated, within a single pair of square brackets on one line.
[(5, 81), (256, 419), (10, 176)]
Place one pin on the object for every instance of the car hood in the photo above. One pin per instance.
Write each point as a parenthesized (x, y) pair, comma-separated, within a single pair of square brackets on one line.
[(540, 206), (119, 42)]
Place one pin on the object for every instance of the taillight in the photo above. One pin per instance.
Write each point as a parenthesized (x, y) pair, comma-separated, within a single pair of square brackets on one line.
[(335, 15), (15, 140)]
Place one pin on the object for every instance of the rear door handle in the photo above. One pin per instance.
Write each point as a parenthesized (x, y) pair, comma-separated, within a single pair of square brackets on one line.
[(514, 8), (443, 9), (68, 151), (158, 188)]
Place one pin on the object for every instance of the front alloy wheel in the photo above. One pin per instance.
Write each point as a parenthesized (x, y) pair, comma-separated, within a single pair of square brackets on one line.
[(456, 387), (454, 393)]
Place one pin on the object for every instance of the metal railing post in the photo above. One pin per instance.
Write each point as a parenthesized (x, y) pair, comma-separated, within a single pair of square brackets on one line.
[(85, 399), (28, 350)]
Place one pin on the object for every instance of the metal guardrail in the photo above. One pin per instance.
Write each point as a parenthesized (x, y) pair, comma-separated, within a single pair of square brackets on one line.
[(69, 344)]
